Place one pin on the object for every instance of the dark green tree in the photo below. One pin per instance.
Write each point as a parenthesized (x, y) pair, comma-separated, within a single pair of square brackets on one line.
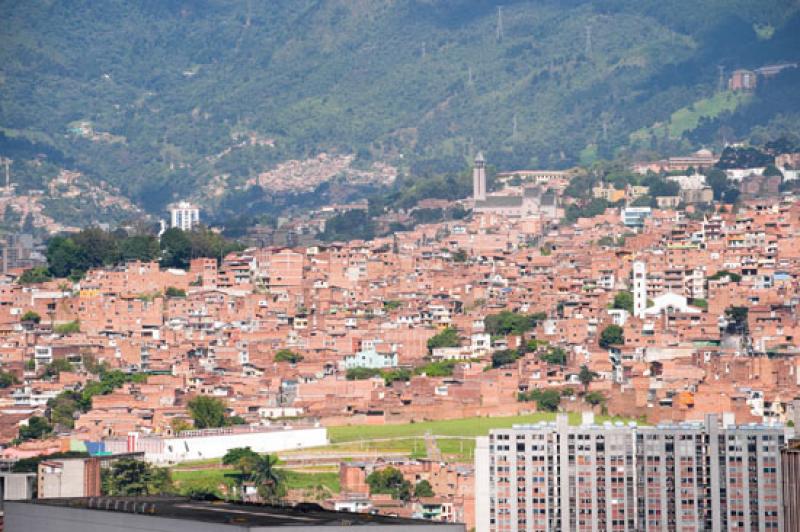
[(507, 322), (242, 458), (268, 479), (423, 489), (258, 469), (287, 355), (360, 374), (63, 407), (176, 248), (624, 301), (737, 320), (546, 400), (171, 291), (37, 428), (503, 357), (139, 247), (611, 335), (554, 355), (57, 366), (400, 374), (7, 379), (460, 255), (586, 376), (97, 247), (134, 478), (31, 316), (351, 225), (389, 481), (207, 412), (64, 257), (594, 398)]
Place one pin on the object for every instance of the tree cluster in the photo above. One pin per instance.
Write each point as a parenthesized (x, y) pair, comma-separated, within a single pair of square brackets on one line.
[(209, 412), (72, 256), (129, 477), (507, 322), (389, 481), (448, 337), (257, 469)]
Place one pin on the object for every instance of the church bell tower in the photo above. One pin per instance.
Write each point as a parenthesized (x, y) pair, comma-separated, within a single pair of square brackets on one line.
[(479, 178)]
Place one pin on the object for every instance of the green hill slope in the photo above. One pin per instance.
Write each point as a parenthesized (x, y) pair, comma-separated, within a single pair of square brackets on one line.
[(150, 95)]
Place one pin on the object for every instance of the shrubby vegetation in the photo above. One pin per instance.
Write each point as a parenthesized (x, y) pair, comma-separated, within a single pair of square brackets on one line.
[(448, 337), (443, 368), (623, 300), (546, 400), (554, 355), (507, 322), (287, 355)]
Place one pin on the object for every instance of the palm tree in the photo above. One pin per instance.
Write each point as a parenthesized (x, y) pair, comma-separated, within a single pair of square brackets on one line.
[(268, 479)]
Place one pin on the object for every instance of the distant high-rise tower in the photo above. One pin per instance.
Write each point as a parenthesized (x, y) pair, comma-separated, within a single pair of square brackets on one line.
[(639, 288), (479, 178), (184, 215)]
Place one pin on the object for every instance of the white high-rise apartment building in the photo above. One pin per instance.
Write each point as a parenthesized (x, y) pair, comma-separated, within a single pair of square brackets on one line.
[(184, 215), (626, 478)]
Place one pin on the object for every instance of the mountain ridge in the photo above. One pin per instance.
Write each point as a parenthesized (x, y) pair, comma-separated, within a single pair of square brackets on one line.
[(421, 84)]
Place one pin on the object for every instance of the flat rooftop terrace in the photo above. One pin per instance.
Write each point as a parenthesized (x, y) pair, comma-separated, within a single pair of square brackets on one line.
[(184, 511)]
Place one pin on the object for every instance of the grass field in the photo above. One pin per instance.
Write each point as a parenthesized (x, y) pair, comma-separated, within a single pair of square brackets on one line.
[(475, 426), (687, 118), (408, 438), (210, 480), (214, 479)]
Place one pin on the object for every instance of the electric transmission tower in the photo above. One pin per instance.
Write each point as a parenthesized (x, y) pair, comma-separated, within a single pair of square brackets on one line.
[(499, 23), (588, 40)]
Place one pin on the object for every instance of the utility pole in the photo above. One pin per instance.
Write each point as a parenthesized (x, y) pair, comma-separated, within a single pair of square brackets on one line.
[(514, 127), (499, 35)]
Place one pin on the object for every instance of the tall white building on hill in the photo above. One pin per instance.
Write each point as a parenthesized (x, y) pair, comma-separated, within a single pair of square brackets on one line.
[(184, 215)]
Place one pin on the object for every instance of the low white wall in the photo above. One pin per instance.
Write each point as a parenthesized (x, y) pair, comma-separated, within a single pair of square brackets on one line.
[(215, 446)]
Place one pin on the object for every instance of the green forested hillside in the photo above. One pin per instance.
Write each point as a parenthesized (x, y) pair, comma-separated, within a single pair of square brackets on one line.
[(165, 86)]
